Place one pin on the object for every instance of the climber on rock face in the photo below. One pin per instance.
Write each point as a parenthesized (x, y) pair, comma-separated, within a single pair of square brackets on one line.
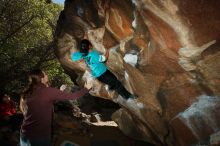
[(98, 68)]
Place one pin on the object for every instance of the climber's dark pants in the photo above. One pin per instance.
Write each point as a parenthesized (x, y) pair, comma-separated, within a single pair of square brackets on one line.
[(114, 84)]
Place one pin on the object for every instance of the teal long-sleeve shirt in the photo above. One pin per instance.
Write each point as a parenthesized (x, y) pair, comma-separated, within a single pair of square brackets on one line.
[(94, 60)]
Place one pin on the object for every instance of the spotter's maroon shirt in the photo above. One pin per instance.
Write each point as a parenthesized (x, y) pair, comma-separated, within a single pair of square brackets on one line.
[(38, 118)]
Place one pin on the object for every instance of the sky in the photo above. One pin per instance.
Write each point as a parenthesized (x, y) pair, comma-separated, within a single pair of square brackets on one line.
[(59, 1)]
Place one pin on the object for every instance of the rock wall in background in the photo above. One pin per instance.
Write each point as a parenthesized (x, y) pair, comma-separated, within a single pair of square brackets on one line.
[(167, 52)]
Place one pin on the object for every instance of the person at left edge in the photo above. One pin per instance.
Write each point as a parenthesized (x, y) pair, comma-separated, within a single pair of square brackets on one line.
[(36, 105)]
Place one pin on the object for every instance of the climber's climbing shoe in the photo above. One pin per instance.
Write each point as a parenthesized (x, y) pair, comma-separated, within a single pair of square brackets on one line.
[(134, 103)]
